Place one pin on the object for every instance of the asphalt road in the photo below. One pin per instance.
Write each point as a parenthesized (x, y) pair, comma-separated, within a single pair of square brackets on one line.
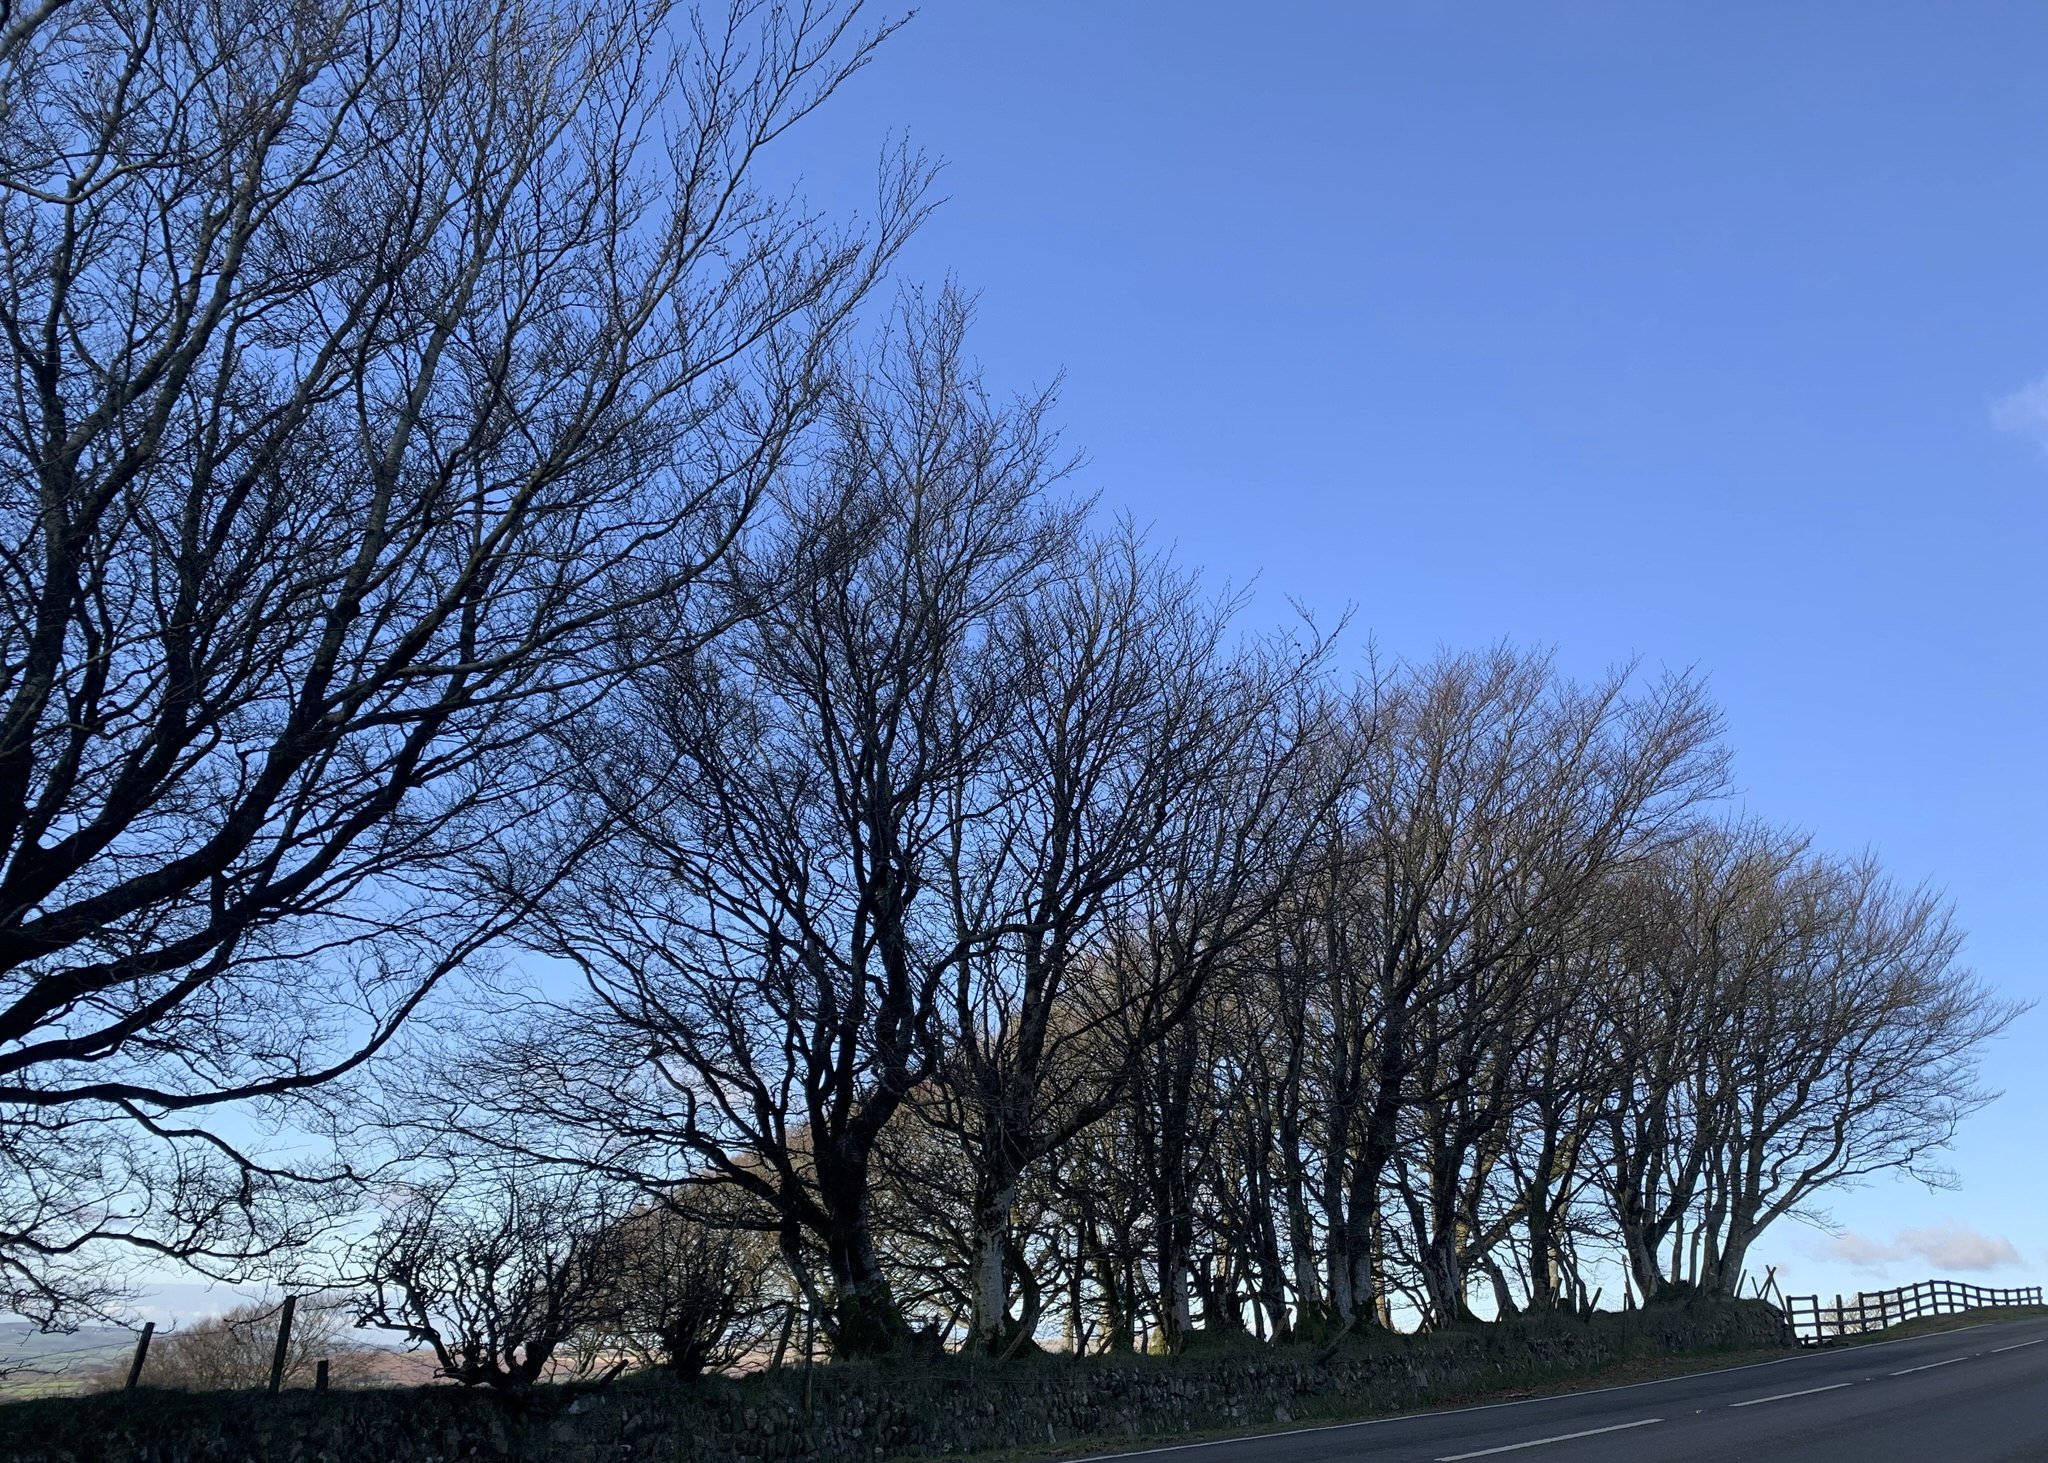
[(1973, 1396)]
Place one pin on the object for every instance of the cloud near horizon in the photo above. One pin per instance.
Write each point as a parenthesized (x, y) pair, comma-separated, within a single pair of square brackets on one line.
[(2024, 412), (1950, 1247)]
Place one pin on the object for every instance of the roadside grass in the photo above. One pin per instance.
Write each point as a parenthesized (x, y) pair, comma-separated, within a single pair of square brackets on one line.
[(1957, 1321)]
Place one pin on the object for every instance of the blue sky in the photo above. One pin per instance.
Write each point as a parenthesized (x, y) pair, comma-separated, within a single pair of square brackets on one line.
[(1710, 335), (1674, 331)]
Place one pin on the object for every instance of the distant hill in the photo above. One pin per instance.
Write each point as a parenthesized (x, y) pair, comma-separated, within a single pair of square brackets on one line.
[(33, 1364)]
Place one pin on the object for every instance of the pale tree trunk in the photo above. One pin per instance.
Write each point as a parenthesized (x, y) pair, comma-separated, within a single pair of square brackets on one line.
[(1444, 1277), (1503, 1293), (1543, 1260), (1176, 1282), (1641, 1251), (1301, 1248), (990, 1278), (1337, 1261)]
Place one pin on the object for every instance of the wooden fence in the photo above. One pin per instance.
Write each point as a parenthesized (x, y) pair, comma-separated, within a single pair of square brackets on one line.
[(1873, 1310)]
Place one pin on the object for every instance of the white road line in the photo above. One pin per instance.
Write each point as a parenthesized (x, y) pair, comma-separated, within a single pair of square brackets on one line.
[(1619, 1427), (1908, 1371), (1430, 1414), (1781, 1396), (2018, 1344)]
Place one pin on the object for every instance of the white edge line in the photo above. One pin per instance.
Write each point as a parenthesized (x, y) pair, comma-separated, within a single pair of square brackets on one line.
[(1782, 1396), (1331, 1427), (2017, 1345), (1930, 1366), (1591, 1432)]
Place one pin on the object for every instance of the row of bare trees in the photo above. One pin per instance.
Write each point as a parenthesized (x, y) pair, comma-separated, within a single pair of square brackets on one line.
[(456, 518), (1026, 950), (1721, 1026)]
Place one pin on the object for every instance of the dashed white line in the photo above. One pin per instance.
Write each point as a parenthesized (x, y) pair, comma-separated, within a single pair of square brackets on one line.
[(1781, 1396), (2018, 1344), (1432, 1414), (1908, 1371), (1619, 1427)]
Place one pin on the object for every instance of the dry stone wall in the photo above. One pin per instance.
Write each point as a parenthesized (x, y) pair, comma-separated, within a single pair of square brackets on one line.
[(858, 1414)]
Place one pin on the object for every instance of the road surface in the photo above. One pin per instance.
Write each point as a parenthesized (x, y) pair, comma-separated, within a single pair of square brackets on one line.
[(1973, 1396)]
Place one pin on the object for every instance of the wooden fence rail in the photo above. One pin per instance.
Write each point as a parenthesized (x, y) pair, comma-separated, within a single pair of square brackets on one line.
[(1873, 1310)]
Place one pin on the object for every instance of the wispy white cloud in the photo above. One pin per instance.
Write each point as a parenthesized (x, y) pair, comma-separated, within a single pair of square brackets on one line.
[(1954, 1246), (2024, 413), (1859, 1251), (1950, 1247)]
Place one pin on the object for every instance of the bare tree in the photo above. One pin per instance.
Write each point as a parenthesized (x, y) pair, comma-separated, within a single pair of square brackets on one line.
[(1496, 797), (1102, 1194), (498, 1272), (1692, 922), (1139, 817), (1279, 993), (693, 1296), (366, 371), (765, 935), (1800, 1023), (1567, 1079)]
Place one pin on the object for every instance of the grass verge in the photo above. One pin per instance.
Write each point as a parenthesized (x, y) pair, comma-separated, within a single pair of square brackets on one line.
[(1935, 1325)]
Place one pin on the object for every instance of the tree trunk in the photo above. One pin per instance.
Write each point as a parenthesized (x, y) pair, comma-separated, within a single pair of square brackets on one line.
[(1336, 1235), (1116, 1304), (866, 1320), (1443, 1276), (990, 1280), (1640, 1246), (1176, 1315), (1503, 1294), (1543, 1264)]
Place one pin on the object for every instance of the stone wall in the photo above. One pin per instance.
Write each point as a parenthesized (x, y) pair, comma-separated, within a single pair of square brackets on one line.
[(841, 1414)]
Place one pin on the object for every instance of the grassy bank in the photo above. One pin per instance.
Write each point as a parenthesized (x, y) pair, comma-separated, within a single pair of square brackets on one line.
[(1933, 1325)]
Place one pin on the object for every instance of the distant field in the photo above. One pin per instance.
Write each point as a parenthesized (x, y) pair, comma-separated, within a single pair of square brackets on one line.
[(39, 1365)]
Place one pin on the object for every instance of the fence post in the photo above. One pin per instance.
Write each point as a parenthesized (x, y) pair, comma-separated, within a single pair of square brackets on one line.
[(810, 1363), (320, 1376), (141, 1350), (284, 1341)]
